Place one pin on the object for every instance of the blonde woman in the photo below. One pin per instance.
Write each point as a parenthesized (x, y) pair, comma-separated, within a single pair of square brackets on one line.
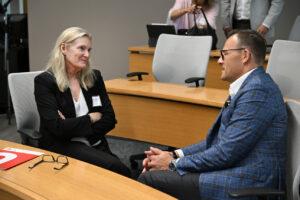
[(75, 110)]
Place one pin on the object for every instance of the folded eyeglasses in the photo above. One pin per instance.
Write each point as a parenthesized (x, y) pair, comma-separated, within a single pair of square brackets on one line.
[(50, 159)]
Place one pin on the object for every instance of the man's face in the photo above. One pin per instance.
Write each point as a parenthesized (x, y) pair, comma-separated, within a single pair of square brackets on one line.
[(232, 64)]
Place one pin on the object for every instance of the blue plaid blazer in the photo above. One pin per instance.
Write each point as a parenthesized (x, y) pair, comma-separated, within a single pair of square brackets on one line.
[(246, 146)]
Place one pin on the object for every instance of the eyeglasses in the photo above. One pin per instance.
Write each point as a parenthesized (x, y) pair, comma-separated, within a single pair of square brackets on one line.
[(225, 50), (50, 159)]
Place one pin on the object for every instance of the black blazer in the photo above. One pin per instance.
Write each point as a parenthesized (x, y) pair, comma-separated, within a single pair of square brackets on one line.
[(49, 100)]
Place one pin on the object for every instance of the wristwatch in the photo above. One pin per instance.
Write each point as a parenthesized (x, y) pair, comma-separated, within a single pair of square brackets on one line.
[(172, 165)]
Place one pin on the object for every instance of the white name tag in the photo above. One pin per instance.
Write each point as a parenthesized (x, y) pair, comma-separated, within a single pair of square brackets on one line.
[(96, 101)]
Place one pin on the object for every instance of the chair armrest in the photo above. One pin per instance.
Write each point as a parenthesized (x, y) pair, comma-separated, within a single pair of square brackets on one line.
[(30, 133), (257, 192), (139, 74), (194, 79)]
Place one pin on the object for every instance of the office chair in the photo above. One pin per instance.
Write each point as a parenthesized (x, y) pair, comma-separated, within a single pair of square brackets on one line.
[(283, 66), (295, 31), (179, 59), (21, 87), (293, 162)]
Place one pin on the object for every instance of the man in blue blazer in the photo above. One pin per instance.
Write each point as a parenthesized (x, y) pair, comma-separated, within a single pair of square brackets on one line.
[(246, 146)]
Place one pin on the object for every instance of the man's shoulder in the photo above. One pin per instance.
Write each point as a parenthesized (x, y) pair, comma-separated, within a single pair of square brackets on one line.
[(260, 80)]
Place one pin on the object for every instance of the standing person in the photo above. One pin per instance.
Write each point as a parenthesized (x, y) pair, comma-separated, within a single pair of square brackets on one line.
[(246, 145), (181, 14), (75, 111), (259, 15)]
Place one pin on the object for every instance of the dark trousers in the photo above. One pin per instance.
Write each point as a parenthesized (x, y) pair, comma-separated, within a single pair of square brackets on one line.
[(99, 155), (241, 24), (181, 187)]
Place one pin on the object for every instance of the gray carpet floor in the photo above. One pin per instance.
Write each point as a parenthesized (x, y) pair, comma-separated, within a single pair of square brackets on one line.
[(123, 148)]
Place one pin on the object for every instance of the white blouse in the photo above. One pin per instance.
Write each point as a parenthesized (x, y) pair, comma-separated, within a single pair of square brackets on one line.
[(81, 109)]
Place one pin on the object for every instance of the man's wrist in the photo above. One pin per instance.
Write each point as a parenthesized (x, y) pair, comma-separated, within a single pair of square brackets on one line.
[(172, 165), (174, 154)]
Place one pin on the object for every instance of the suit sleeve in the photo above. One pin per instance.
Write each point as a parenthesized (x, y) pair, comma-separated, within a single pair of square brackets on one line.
[(198, 147), (273, 13), (225, 13), (250, 118), (108, 120), (45, 88)]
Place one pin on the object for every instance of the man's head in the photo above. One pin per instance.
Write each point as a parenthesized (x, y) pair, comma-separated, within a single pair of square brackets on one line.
[(243, 51)]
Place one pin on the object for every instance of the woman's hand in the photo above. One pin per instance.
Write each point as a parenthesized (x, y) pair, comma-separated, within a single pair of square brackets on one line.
[(178, 13), (95, 116), (190, 9), (61, 115)]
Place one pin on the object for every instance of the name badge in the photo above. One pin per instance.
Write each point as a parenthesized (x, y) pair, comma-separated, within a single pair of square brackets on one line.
[(96, 101)]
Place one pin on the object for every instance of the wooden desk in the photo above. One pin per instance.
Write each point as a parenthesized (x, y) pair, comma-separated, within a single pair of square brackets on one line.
[(169, 114), (141, 57), (78, 180)]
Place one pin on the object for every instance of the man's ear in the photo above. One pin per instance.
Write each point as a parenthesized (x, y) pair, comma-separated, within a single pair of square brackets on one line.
[(246, 56), (63, 48)]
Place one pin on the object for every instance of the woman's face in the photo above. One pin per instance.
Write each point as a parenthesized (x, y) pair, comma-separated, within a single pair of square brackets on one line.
[(77, 53)]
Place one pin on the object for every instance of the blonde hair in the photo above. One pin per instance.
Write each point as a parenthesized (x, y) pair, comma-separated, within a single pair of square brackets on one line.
[(57, 63)]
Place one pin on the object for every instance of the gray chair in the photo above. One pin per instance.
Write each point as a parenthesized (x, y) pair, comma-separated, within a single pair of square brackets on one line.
[(293, 161), (177, 58), (180, 59), (284, 67), (293, 144), (21, 87), (295, 31)]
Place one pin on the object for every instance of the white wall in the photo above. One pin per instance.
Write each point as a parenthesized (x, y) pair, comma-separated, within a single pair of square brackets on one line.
[(115, 25)]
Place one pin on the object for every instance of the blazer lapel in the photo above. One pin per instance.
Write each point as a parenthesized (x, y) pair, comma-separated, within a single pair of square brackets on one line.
[(88, 98), (215, 128), (68, 100)]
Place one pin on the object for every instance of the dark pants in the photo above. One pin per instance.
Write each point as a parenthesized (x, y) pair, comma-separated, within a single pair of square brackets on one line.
[(241, 24), (99, 155), (181, 187)]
